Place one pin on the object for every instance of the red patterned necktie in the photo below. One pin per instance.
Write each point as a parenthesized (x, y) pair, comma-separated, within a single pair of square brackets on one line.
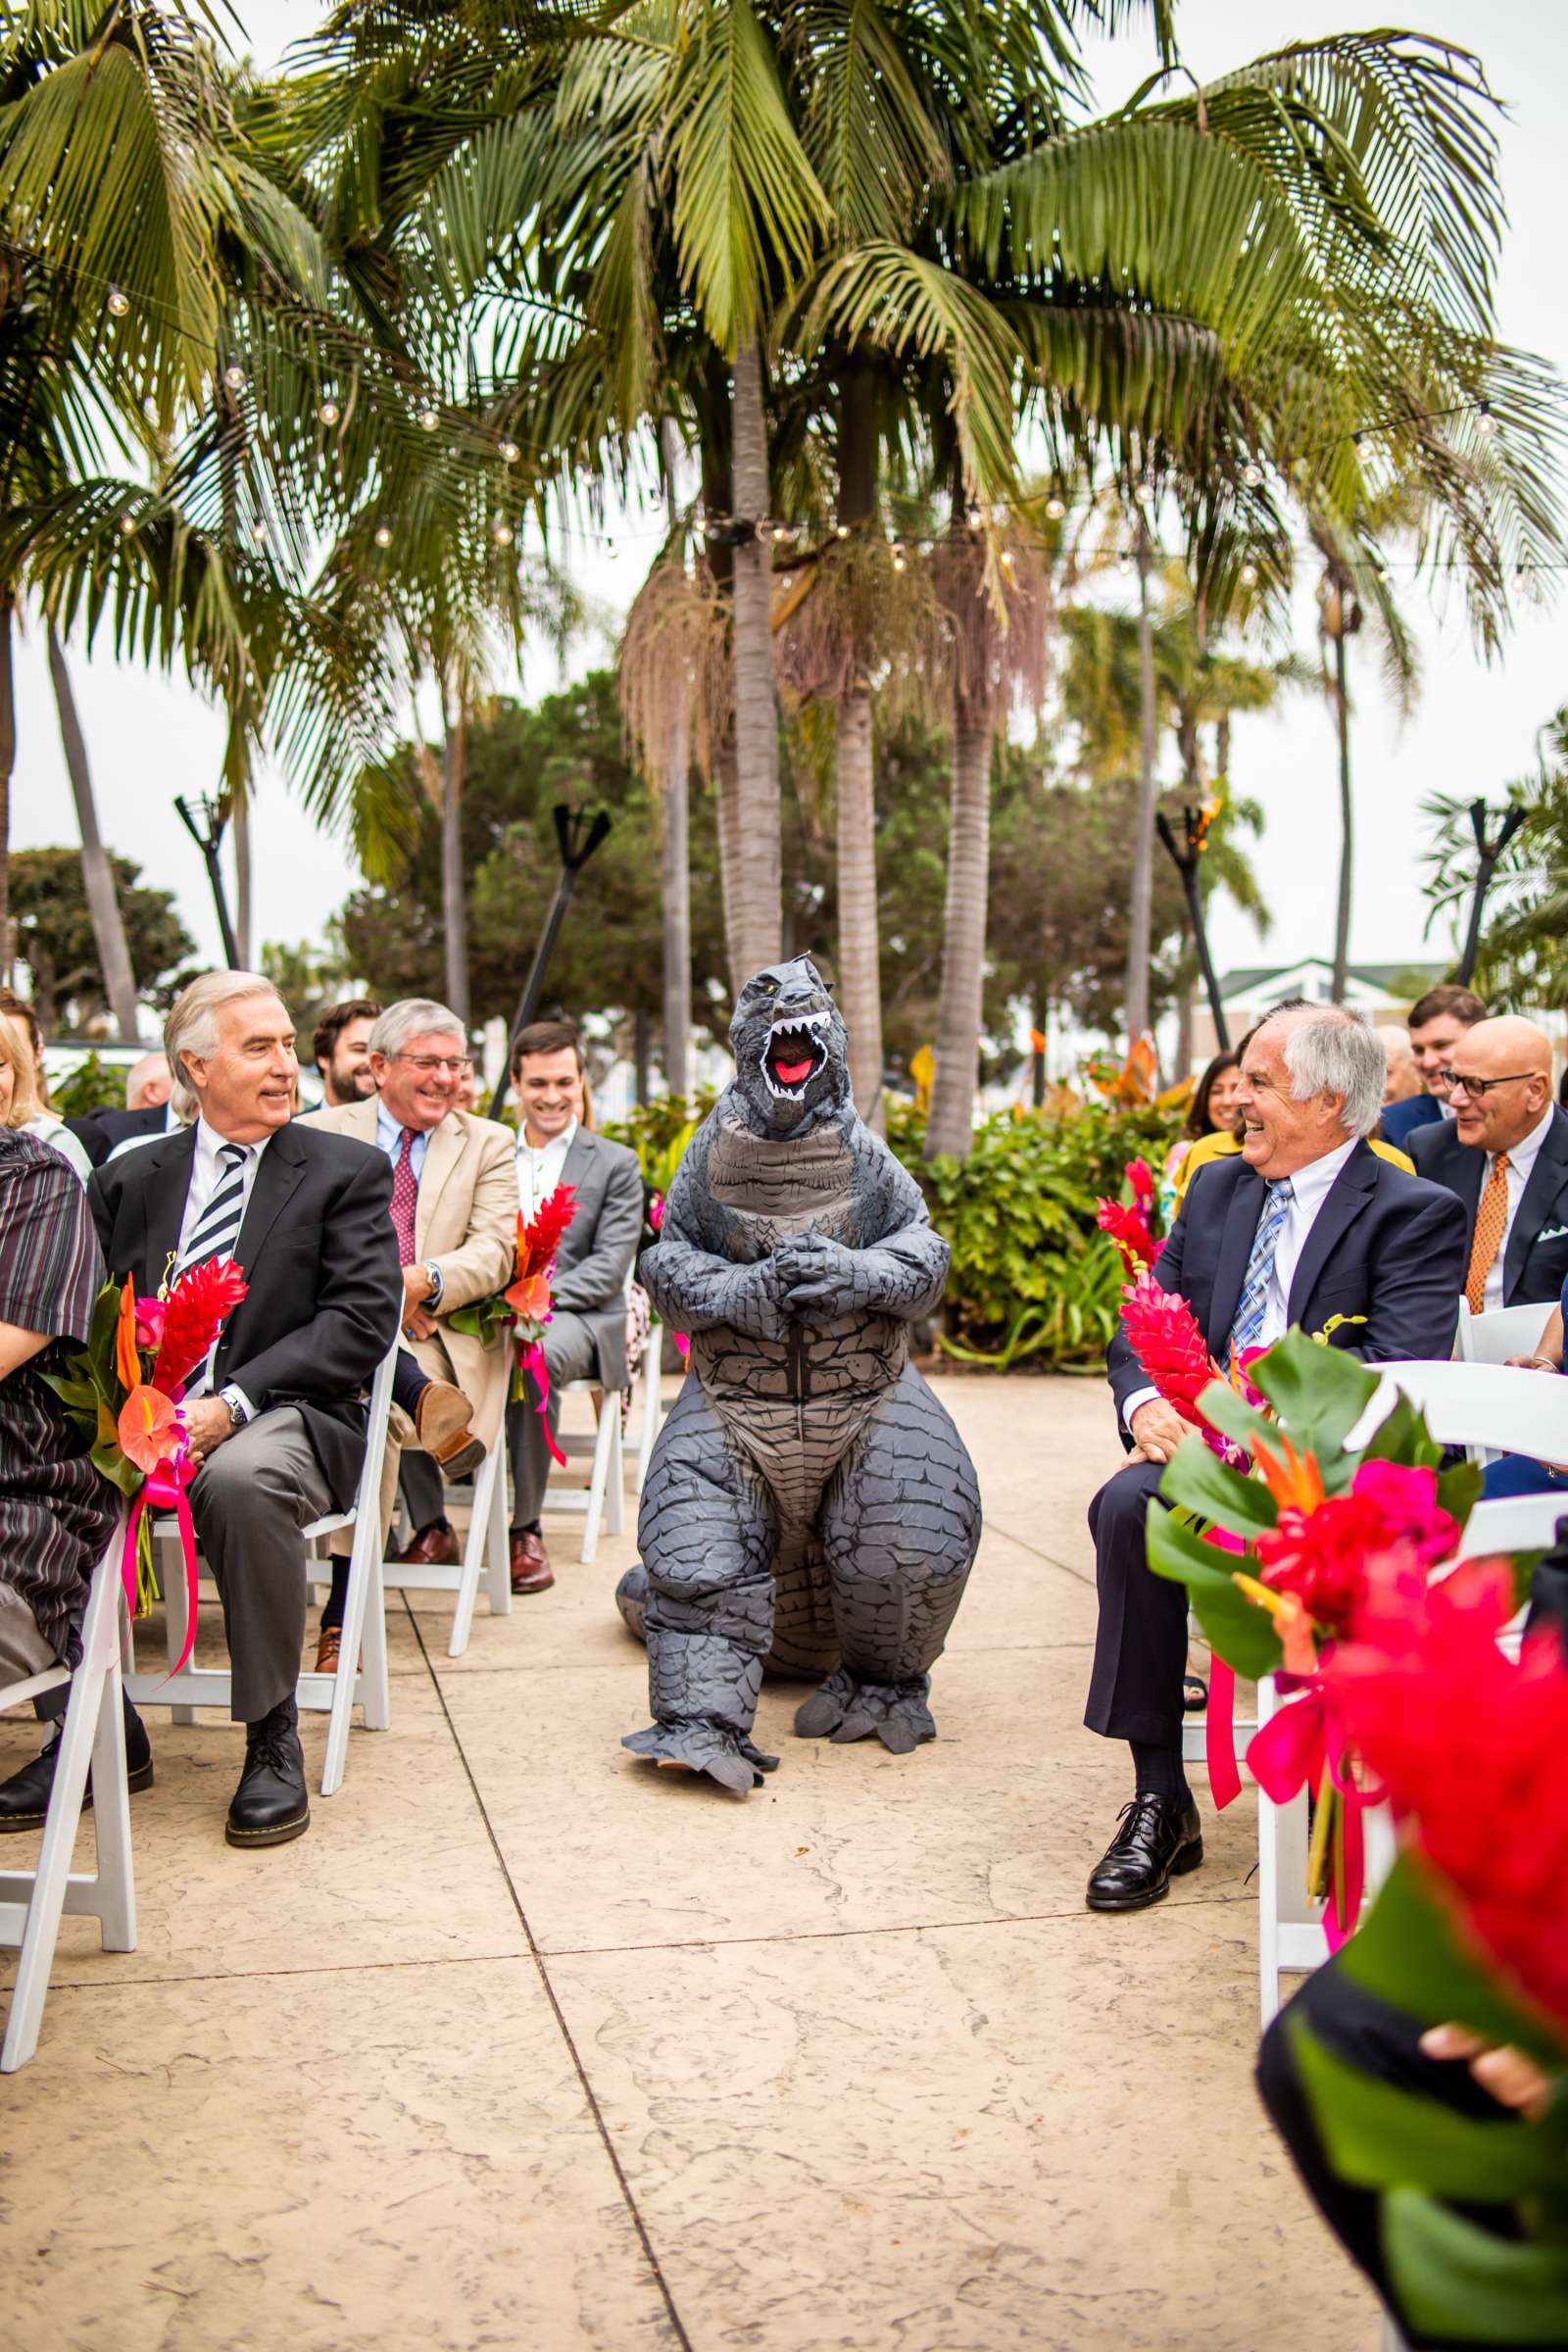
[(405, 1197)]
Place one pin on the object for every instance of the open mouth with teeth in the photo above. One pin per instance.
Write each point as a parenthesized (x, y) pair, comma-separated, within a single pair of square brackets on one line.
[(795, 1050)]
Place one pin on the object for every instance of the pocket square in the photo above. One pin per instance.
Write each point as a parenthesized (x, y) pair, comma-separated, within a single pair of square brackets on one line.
[(1552, 1233)]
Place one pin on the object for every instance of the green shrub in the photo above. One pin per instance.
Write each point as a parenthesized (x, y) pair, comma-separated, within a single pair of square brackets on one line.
[(91, 1086), (1032, 1275)]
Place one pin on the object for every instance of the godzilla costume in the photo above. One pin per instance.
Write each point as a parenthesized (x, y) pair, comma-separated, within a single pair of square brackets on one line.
[(809, 1505)]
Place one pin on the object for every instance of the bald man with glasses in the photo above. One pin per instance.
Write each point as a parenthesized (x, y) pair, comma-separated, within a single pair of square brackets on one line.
[(1504, 1153)]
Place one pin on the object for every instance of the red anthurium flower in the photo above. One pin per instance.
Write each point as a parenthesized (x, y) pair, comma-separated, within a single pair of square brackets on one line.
[(529, 1297), (1470, 1746), (149, 1427)]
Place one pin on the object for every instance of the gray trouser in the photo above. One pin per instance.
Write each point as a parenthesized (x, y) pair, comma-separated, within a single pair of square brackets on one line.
[(569, 1354), (250, 1501), (23, 1650)]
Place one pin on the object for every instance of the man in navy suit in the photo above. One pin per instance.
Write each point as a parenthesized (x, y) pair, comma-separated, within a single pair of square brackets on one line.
[(1306, 1225), (1504, 1154), (1437, 1022)]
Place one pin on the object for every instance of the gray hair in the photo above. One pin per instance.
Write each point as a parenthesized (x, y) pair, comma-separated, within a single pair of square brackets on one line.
[(1333, 1052), (192, 1024), (414, 1016)]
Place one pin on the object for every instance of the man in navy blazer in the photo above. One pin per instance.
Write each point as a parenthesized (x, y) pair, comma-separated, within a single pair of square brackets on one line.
[(1517, 1255), (1308, 1224), (1437, 1022)]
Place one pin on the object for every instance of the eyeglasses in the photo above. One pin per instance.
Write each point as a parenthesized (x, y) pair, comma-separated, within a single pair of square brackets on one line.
[(428, 1064), (1476, 1087)]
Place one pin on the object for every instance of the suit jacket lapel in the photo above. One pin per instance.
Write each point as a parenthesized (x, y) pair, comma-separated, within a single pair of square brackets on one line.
[(1347, 1197), (1462, 1168), (165, 1169), (1235, 1248), (577, 1169), (282, 1165), (1542, 1188), (442, 1152)]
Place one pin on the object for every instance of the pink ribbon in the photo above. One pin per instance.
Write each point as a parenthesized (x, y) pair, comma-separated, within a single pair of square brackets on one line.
[(1289, 1754), (1219, 1720), (532, 1359), (163, 1489)]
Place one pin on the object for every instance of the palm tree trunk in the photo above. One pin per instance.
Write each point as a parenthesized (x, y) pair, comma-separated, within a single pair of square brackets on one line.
[(756, 842), (239, 817), (7, 761), (1341, 925), (678, 908), (860, 970), (97, 874), (950, 1125), (454, 903), (1141, 896), (859, 937)]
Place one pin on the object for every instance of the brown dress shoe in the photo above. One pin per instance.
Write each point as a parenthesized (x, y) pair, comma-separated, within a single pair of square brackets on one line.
[(442, 1417), (531, 1571), (431, 1548), (327, 1649)]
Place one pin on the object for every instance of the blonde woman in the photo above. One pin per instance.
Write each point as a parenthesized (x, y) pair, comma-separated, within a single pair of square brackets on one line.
[(21, 1022)]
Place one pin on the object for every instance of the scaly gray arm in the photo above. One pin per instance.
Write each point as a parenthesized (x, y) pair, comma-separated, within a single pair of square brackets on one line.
[(693, 1288)]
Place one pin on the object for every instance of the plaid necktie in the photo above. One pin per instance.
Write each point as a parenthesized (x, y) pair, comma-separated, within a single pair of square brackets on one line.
[(1491, 1218), (405, 1197), (1248, 1329), (216, 1229)]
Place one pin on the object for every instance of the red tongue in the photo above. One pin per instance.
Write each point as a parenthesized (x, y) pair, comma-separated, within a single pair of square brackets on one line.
[(790, 1073)]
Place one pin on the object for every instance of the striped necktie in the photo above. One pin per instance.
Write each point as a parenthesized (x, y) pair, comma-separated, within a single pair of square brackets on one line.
[(1248, 1329), (216, 1229)]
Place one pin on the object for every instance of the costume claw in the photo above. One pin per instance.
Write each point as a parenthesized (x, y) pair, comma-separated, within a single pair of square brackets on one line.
[(846, 1708), (726, 1755)]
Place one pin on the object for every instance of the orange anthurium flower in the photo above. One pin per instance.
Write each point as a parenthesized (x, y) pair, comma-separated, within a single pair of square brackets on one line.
[(530, 1298), (127, 1363), (149, 1427), (1296, 1482)]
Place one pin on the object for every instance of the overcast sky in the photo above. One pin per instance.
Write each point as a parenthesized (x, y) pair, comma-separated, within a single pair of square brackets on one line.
[(1473, 729)]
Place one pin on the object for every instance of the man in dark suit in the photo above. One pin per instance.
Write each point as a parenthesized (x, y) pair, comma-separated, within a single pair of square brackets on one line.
[(148, 1088), (276, 1418), (1504, 1154), (587, 1335), (1307, 1224), (1437, 1022)]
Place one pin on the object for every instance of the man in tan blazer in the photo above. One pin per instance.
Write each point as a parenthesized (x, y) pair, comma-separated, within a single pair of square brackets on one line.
[(455, 1211)]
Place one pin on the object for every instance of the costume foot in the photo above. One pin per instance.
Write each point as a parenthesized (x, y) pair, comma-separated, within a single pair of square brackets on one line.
[(631, 1599), (846, 1708), (726, 1755)]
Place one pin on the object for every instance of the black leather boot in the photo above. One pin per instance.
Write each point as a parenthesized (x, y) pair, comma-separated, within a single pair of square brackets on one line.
[(25, 1797), (269, 1804)]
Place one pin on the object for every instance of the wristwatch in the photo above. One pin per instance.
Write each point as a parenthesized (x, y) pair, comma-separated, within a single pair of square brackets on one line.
[(437, 1285), (239, 1413)]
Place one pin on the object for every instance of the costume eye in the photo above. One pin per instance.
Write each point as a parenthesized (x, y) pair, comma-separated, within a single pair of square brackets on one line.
[(770, 988)]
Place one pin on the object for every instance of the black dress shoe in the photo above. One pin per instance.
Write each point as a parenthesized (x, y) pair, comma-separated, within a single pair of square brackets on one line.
[(269, 1804), (25, 1797), (1156, 1841)]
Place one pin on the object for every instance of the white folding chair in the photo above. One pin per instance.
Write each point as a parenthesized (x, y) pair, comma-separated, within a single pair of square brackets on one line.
[(1480, 1406), (603, 1500), (1493, 1338), (31, 1900), (649, 1385), (1291, 1935), (486, 1552), (367, 1685)]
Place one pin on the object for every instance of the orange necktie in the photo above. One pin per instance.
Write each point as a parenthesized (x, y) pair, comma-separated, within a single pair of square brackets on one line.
[(1491, 1218)]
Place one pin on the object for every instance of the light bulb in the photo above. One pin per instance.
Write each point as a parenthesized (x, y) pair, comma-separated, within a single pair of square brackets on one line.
[(787, 580), (841, 530), (974, 518), (259, 533), (1124, 561), (1486, 423), (1248, 575), (501, 533), (1358, 440), (383, 534), (1143, 492), (1251, 475), (1056, 507), (234, 376), (781, 531), (118, 303), (900, 558), (428, 418), (510, 452), (329, 412), (127, 525)]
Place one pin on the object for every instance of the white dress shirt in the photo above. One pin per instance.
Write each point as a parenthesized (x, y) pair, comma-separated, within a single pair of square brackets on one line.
[(1521, 1159), (1310, 1188), (206, 1172), (539, 1169)]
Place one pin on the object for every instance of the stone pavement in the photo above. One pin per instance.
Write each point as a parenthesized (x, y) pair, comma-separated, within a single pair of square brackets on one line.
[(529, 2045)]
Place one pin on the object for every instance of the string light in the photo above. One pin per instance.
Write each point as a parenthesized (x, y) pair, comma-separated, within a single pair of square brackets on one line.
[(841, 530), (259, 533), (1056, 506), (117, 303), (1486, 423), (502, 532), (1251, 475), (900, 558), (1144, 492), (1248, 575), (508, 452), (428, 418), (126, 526), (1124, 561), (781, 532), (234, 376), (329, 412), (974, 518), (383, 534)]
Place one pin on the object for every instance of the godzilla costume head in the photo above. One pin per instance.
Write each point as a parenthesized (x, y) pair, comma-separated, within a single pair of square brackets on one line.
[(792, 1049)]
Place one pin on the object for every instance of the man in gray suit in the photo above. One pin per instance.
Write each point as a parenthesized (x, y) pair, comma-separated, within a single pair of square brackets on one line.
[(587, 1337)]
